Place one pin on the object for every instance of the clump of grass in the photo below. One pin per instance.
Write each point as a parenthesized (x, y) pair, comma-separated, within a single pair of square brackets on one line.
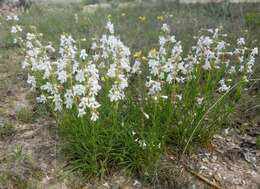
[(25, 115), (6, 130)]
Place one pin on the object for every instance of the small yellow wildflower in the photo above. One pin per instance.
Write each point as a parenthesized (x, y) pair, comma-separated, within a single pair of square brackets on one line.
[(138, 54), (153, 52), (161, 18), (103, 78), (142, 18), (144, 58)]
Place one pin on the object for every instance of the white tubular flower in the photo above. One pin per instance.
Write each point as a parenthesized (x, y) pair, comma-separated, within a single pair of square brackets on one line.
[(68, 98), (62, 76), (80, 76), (232, 70), (207, 65), (15, 18), (136, 67), (110, 27), (25, 64), (83, 54), (48, 87), (116, 94), (9, 18), (79, 90), (14, 29), (41, 99), (165, 28), (57, 102), (117, 55), (254, 51), (94, 116), (241, 41), (223, 87), (153, 86), (31, 81), (112, 71), (199, 100)]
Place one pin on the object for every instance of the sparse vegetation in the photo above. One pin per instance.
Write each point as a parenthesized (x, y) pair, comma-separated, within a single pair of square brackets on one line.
[(6, 130), (25, 115)]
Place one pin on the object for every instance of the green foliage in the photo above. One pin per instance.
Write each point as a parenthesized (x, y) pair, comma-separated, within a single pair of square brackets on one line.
[(24, 115), (116, 140), (253, 19), (6, 130)]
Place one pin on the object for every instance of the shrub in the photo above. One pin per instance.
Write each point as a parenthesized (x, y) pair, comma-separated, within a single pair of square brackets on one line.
[(252, 19), (117, 109)]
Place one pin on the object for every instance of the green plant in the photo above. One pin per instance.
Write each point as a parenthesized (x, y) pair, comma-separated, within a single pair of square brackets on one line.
[(24, 115), (117, 109), (252, 19), (6, 130)]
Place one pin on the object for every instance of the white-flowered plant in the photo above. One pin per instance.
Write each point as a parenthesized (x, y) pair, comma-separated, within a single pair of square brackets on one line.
[(72, 79), (115, 104)]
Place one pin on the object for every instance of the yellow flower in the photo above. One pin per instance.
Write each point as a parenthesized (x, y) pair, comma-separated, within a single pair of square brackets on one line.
[(103, 78), (142, 18), (161, 18), (144, 58), (153, 52), (138, 54)]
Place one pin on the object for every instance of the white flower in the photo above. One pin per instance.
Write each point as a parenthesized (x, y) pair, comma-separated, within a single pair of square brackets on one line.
[(112, 71), (9, 17), (146, 115), (241, 41), (25, 64), (165, 28), (31, 81), (14, 29), (57, 102), (68, 98), (15, 18), (80, 76), (223, 87), (232, 69), (254, 51), (179, 97), (94, 46), (79, 90), (48, 87), (116, 94), (154, 87), (136, 67), (94, 116), (110, 27), (83, 54), (200, 100), (62, 76), (162, 40), (41, 99)]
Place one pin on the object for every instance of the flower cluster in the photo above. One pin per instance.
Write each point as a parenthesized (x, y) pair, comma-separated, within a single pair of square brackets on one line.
[(74, 77)]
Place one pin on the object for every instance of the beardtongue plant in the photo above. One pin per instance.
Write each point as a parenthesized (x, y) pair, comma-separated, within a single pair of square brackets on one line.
[(113, 108)]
